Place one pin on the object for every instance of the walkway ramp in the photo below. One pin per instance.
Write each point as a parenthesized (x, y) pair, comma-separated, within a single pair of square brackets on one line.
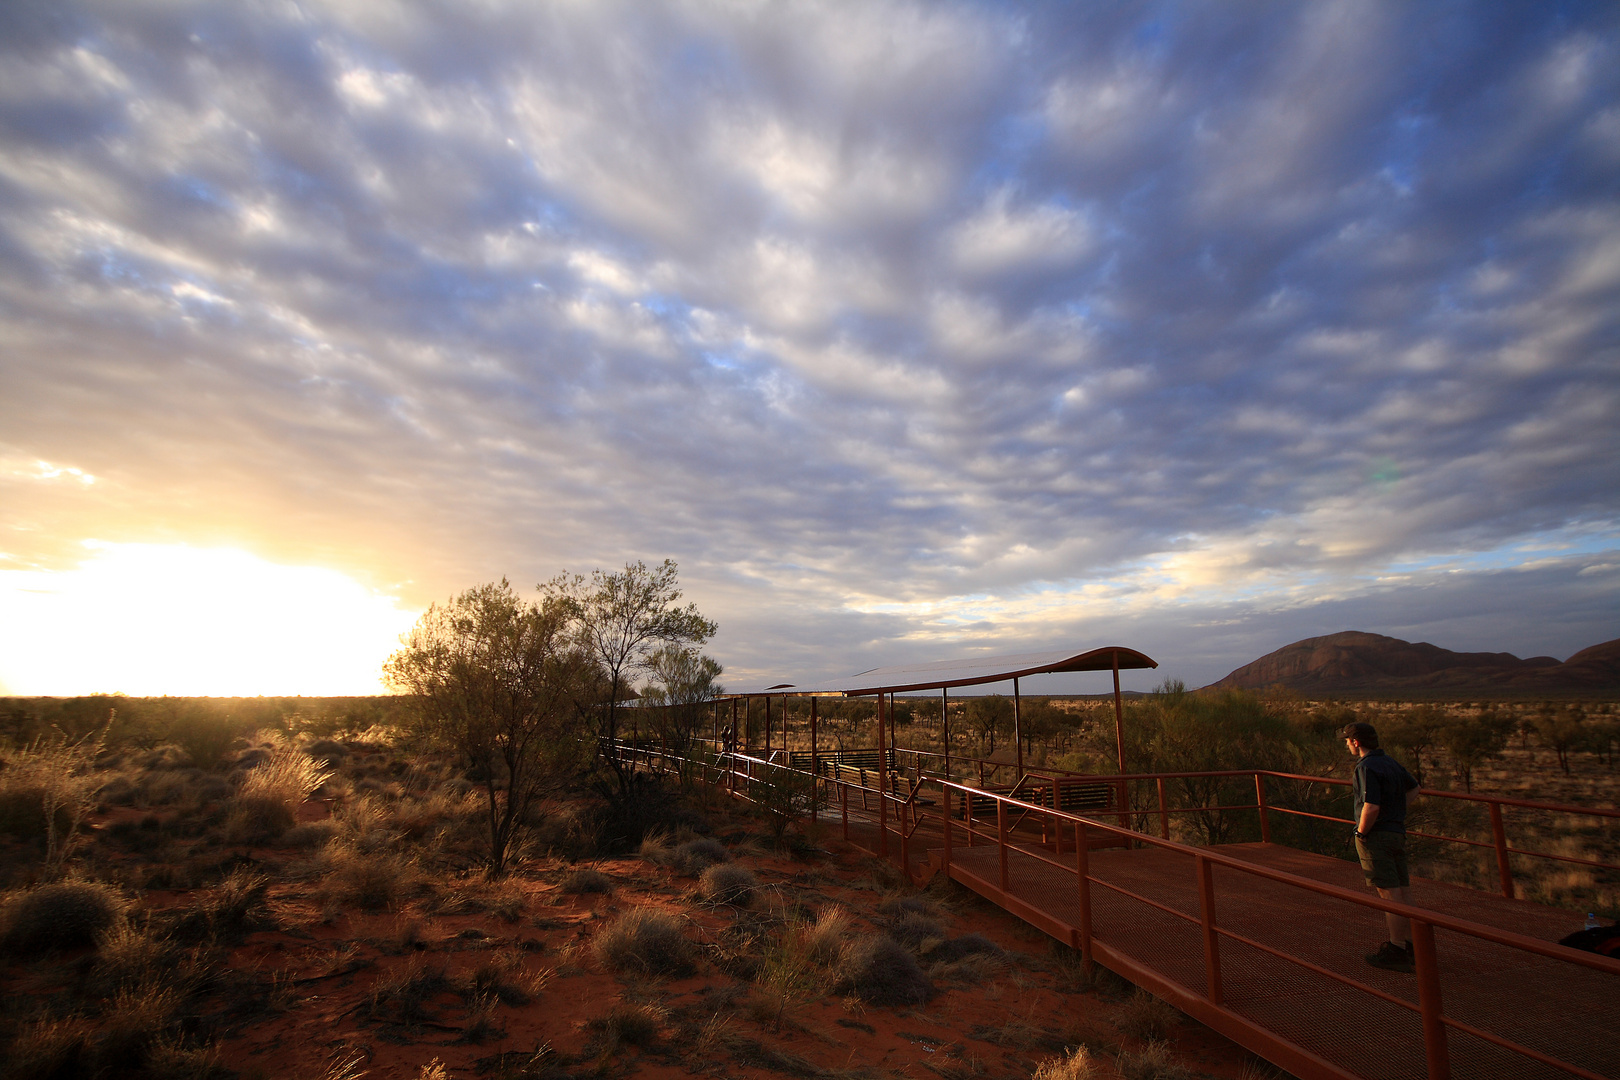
[(1146, 925)]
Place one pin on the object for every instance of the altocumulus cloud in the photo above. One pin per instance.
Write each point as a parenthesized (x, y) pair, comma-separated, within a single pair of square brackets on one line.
[(907, 328)]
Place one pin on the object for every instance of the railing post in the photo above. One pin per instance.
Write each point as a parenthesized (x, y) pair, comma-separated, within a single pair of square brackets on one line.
[(967, 815), (1260, 801), (843, 798), (1212, 944), (1082, 869), (1504, 868), (1164, 814), (945, 804), (1435, 1048), (1001, 838)]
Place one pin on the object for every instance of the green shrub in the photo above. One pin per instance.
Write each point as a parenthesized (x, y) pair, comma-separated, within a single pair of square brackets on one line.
[(726, 883), (644, 942), (881, 971), (64, 915)]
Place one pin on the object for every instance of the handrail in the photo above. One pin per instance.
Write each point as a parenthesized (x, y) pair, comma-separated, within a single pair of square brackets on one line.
[(1424, 923), (1434, 1022)]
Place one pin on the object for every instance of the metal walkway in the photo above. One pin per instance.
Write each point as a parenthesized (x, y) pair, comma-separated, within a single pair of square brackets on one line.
[(1555, 1008)]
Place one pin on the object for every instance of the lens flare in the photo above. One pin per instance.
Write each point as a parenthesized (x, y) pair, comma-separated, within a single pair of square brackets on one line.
[(149, 619)]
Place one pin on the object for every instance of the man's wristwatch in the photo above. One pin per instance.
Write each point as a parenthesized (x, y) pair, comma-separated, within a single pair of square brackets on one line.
[(1360, 835)]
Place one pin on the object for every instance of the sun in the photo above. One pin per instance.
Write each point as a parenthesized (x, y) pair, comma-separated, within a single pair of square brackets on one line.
[(148, 619)]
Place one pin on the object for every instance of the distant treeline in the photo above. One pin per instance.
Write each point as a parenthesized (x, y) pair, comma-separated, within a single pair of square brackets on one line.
[(205, 727)]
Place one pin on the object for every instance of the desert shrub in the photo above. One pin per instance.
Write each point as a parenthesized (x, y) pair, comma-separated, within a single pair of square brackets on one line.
[(130, 955), (160, 787), (63, 915), (949, 952), (328, 751), (655, 848), (785, 796), (311, 834), (136, 1018), (258, 819), (697, 855), (1077, 1064), (823, 939), (916, 931), (627, 1025), (287, 775), (55, 775), (503, 978), (369, 881), (167, 756), (48, 1049), (1146, 1017), (1152, 1062), (235, 908), (403, 995), (571, 831), (726, 883), (881, 971), (645, 942), (586, 881)]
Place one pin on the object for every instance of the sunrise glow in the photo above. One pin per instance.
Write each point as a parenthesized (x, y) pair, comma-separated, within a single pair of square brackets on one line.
[(147, 619)]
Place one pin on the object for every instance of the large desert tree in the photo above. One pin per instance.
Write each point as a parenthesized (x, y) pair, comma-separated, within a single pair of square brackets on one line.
[(495, 678), (622, 619)]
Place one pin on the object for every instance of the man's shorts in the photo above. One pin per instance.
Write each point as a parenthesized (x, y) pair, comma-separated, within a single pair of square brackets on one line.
[(1383, 859)]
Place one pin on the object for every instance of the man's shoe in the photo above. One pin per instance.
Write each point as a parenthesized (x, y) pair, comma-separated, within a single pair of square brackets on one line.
[(1392, 957)]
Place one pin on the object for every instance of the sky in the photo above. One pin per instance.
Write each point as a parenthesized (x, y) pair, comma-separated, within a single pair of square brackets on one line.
[(911, 331)]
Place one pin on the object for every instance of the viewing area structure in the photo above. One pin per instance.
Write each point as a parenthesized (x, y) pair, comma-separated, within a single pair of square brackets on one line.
[(1261, 941)]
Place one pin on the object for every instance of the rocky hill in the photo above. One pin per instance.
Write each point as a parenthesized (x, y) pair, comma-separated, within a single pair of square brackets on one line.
[(1352, 662)]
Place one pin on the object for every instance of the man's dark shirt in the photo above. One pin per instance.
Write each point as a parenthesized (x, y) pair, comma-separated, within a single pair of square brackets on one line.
[(1384, 782)]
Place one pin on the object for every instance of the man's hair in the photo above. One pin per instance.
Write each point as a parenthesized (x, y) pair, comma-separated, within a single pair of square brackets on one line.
[(1365, 734)]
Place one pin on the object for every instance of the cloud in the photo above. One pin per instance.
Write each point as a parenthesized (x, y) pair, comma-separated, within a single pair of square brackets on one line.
[(917, 327)]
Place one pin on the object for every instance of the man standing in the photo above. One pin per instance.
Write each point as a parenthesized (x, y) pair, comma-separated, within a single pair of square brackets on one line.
[(1380, 789)]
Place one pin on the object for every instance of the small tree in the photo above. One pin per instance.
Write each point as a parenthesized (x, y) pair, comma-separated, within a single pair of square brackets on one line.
[(1474, 740), (1416, 732), (495, 680), (621, 620), (1561, 732), (683, 684), (988, 717)]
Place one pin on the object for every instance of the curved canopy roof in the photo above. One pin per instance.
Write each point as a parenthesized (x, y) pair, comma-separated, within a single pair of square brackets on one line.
[(943, 674)]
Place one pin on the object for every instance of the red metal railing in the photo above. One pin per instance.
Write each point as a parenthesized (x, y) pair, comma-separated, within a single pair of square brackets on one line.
[(1208, 1004)]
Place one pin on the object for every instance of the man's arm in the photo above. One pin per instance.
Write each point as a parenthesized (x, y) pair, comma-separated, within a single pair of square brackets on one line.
[(1369, 814)]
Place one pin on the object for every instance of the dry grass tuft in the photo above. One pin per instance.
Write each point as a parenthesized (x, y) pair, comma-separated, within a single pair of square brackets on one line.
[(1077, 1064), (586, 881), (881, 971), (726, 883), (628, 1025), (369, 881), (1153, 1062), (645, 942), (1146, 1017), (64, 915), (695, 856)]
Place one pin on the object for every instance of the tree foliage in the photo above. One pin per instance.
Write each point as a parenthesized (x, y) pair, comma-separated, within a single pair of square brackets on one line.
[(621, 620), (684, 682), (497, 680), (1173, 730)]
